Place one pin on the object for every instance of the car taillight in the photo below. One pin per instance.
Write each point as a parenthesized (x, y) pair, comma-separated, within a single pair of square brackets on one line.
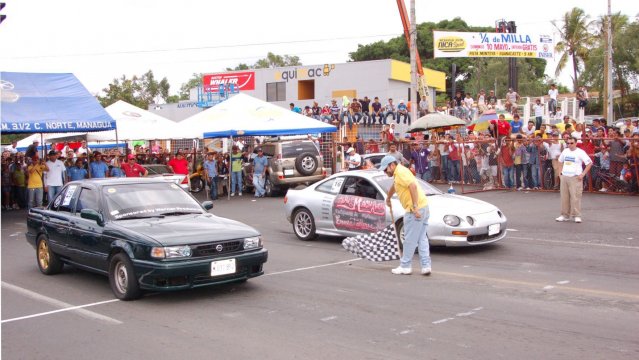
[(285, 199), (185, 180)]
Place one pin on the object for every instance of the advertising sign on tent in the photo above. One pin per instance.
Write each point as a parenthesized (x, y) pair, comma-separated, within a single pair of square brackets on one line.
[(46, 103)]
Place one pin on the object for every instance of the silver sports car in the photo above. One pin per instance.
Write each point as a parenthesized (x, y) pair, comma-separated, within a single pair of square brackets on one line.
[(354, 202)]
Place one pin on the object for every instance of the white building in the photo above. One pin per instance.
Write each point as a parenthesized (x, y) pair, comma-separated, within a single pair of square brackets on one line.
[(302, 85)]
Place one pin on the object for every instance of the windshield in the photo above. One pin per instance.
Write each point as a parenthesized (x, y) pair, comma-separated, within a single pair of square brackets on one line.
[(127, 201), (385, 183), (157, 169)]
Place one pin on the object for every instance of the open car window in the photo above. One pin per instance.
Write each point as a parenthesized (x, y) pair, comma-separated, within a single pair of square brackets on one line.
[(65, 200), (358, 186), (134, 201), (88, 199)]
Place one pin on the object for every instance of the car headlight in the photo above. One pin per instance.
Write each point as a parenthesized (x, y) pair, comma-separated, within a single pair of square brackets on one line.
[(452, 220), (252, 242), (170, 252)]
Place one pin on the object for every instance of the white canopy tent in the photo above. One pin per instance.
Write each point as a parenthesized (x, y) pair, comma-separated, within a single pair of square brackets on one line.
[(133, 123), (243, 115)]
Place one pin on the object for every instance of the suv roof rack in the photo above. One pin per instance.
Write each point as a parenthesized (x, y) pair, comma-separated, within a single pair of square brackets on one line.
[(289, 137)]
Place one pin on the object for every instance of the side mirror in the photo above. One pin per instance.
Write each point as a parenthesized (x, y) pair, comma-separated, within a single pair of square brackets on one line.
[(208, 205), (92, 215)]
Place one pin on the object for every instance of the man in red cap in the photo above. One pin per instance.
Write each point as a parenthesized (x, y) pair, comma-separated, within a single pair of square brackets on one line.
[(132, 169)]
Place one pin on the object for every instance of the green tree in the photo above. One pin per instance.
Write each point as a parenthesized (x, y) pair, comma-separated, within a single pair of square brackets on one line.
[(473, 74), (195, 81), (139, 91), (273, 60), (575, 42)]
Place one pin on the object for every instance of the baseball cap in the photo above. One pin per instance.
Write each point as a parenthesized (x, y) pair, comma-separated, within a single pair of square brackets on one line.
[(53, 152), (350, 149), (386, 160), (130, 156)]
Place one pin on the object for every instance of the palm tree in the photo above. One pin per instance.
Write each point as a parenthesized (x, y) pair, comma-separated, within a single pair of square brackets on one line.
[(575, 41)]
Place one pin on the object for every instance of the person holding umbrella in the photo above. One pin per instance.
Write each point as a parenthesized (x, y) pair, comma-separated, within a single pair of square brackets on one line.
[(415, 204)]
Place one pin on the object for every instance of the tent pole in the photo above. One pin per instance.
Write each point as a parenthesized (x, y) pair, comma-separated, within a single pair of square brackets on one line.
[(228, 193)]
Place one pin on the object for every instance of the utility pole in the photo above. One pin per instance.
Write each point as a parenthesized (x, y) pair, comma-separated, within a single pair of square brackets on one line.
[(413, 63), (609, 90), (503, 26)]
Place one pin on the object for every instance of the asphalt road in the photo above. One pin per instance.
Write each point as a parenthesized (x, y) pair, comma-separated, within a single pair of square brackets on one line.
[(548, 291)]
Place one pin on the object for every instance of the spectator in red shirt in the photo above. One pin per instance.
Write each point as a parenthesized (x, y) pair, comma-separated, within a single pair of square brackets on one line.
[(506, 152), (179, 165), (132, 168)]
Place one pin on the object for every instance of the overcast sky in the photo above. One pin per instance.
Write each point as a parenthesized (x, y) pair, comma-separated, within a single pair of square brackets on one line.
[(102, 40)]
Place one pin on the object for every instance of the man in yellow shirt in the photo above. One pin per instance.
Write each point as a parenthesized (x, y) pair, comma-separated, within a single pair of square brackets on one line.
[(34, 184), (414, 202)]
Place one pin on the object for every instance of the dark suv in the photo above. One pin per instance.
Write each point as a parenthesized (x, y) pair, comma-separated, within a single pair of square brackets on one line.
[(291, 162)]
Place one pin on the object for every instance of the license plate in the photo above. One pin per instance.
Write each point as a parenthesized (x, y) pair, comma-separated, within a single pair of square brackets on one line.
[(222, 267), (493, 229), (289, 172)]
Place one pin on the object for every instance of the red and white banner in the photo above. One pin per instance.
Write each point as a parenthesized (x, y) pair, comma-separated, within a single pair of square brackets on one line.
[(241, 80)]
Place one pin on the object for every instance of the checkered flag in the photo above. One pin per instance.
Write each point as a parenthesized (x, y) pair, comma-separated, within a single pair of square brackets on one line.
[(379, 246)]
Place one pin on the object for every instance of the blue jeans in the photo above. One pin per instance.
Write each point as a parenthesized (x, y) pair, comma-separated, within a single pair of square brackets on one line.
[(454, 173), (426, 175), (350, 119), (416, 236), (213, 188), (444, 168), (507, 176), (53, 191), (236, 182), (389, 113), (34, 196), (258, 182), (534, 174), (358, 116), (372, 116), (406, 117)]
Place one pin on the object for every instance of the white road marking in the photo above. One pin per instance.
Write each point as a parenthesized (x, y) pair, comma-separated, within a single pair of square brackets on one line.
[(576, 243), (548, 287), (312, 267), (462, 314), (329, 318), (563, 282), (79, 309), (512, 230), (16, 234)]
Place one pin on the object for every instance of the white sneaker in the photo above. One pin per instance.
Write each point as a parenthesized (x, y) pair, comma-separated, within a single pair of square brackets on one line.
[(240, 194), (577, 219), (603, 189), (402, 271), (232, 194), (426, 271), (562, 218)]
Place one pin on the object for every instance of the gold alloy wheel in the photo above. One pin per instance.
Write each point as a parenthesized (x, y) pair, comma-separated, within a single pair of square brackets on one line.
[(43, 255)]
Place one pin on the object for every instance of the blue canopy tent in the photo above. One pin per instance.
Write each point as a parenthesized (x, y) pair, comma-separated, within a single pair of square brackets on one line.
[(45, 103)]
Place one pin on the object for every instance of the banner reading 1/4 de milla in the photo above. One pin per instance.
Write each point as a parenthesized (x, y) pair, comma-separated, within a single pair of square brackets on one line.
[(471, 44)]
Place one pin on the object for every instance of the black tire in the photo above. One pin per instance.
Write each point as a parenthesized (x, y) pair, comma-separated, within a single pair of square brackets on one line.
[(306, 163), (48, 262), (399, 226), (304, 225), (269, 190), (122, 278), (197, 184), (548, 180)]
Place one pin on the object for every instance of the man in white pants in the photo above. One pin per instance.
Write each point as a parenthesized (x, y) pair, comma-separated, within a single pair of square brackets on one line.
[(572, 184)]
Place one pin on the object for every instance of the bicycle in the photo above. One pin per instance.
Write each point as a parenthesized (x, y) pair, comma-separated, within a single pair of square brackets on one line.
[(606, 181)]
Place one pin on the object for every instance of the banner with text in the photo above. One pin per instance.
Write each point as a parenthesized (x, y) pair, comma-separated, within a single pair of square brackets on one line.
[(471, 44)]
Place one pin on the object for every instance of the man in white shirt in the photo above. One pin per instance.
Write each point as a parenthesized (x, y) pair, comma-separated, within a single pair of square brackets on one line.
[(13, 148), (354, 160), (554, 148), (538, 109), (572, 184), (552, 103), (84, 149), (54, 177), (529, 130)]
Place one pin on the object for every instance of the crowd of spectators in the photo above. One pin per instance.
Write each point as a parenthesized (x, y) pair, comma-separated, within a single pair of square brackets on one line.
[(363, 111)]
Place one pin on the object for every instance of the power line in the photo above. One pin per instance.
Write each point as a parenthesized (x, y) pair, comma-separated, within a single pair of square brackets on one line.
[(202, 47)]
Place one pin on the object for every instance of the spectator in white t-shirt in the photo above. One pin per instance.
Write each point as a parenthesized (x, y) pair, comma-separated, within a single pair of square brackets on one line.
[(538, 109), (572, 184), (552, 103), (84, 149), (54, 177)]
